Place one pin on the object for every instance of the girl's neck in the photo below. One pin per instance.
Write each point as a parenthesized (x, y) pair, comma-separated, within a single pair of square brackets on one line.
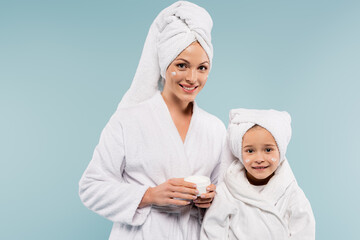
[(258, 182)]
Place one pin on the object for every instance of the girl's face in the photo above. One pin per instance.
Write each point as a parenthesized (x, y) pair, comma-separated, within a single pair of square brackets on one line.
[(187, 74), (260, 155)]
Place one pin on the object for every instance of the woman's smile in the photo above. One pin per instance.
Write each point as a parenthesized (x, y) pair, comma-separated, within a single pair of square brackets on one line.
[(188, 88)]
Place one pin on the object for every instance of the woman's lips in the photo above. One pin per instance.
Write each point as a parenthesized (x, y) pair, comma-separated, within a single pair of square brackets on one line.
[(188, 89)]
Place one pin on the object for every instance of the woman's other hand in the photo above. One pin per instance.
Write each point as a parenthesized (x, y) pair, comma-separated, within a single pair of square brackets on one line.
[(174, 191), (204, 201)]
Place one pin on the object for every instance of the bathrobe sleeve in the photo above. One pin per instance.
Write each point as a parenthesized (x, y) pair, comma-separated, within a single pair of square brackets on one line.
[(301, 221), (216, 177), (216, 222), (102, 188)]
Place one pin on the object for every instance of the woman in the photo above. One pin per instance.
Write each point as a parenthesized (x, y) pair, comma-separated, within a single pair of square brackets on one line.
[(155, 139)]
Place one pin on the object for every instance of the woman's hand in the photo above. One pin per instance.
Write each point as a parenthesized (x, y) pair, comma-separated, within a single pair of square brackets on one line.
[(204, 201), (174, 191)]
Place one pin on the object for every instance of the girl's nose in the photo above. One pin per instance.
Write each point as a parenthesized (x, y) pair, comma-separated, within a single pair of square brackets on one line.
[(258, 161), (259, 158)]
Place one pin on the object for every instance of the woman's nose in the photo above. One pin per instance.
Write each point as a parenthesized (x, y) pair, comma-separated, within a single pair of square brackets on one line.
[(191, 76)]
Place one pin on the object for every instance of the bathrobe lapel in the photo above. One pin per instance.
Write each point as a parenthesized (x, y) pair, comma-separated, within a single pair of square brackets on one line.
[(183, 149), (278, 184)]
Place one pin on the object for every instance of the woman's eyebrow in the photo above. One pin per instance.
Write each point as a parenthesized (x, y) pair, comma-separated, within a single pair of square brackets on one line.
[(182, 60)]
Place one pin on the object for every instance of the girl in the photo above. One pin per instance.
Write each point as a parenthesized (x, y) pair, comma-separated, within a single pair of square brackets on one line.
[(259, 197)]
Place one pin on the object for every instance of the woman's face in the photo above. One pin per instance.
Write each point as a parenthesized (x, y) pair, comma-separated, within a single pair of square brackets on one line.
[(187, 74)]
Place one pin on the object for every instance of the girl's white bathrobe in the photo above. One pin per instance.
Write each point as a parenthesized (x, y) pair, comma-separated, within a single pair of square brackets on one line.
[(140, 147), (279, 210)]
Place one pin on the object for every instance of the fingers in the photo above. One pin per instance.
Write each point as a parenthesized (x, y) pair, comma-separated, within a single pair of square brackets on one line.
[(192, 191), (204, 201), (203, 205), (211, 188), (208, 195), (176, 191), (178, 185), (181, 182), (178, 202), (183, 196)]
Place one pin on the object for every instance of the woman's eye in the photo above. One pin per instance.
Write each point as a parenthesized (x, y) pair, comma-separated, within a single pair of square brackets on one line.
[(181, 65), (203, 68)]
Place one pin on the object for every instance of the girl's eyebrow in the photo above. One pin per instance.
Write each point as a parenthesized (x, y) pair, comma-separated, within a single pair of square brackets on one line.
[(248, 146), (270, 144)]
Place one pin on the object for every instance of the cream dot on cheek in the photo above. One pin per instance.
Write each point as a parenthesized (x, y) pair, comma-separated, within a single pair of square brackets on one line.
[(273, 159), (173, 73), (247, 160)]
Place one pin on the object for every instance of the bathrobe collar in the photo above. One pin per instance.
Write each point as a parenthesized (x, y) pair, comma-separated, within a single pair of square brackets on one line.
[(240, 188), (160, 105)]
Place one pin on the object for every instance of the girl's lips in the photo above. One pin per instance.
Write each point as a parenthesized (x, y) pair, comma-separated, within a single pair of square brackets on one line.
[(260, 167), (188, 89)]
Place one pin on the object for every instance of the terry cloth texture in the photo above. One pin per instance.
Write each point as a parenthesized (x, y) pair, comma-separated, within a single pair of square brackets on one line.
[(137, 152)]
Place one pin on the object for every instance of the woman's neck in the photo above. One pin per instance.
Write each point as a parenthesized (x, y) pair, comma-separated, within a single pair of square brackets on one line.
[(177, 106), (181, 114)]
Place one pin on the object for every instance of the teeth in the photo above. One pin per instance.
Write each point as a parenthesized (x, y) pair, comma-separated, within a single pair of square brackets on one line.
[(189, 89)]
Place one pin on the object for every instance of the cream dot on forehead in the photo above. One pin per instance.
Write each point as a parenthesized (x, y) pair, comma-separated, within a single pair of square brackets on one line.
[(173, 73)]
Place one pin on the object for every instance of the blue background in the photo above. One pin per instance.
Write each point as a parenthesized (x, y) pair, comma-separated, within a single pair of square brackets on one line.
[(64, 66)]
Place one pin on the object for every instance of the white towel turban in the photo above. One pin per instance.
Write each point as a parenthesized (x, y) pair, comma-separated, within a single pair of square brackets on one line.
[(276, 122), (173, 30)]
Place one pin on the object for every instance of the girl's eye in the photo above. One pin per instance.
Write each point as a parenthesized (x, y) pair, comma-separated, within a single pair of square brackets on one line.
[(203, 68), (181, 65), (268, 150), (250, 151)]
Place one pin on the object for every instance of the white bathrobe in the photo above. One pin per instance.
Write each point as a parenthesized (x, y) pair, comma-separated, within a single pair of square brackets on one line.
[(140, 147), (278, 210)]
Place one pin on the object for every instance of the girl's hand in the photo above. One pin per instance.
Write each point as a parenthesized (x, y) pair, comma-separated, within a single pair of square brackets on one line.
[(174, 191), (204, 201)]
